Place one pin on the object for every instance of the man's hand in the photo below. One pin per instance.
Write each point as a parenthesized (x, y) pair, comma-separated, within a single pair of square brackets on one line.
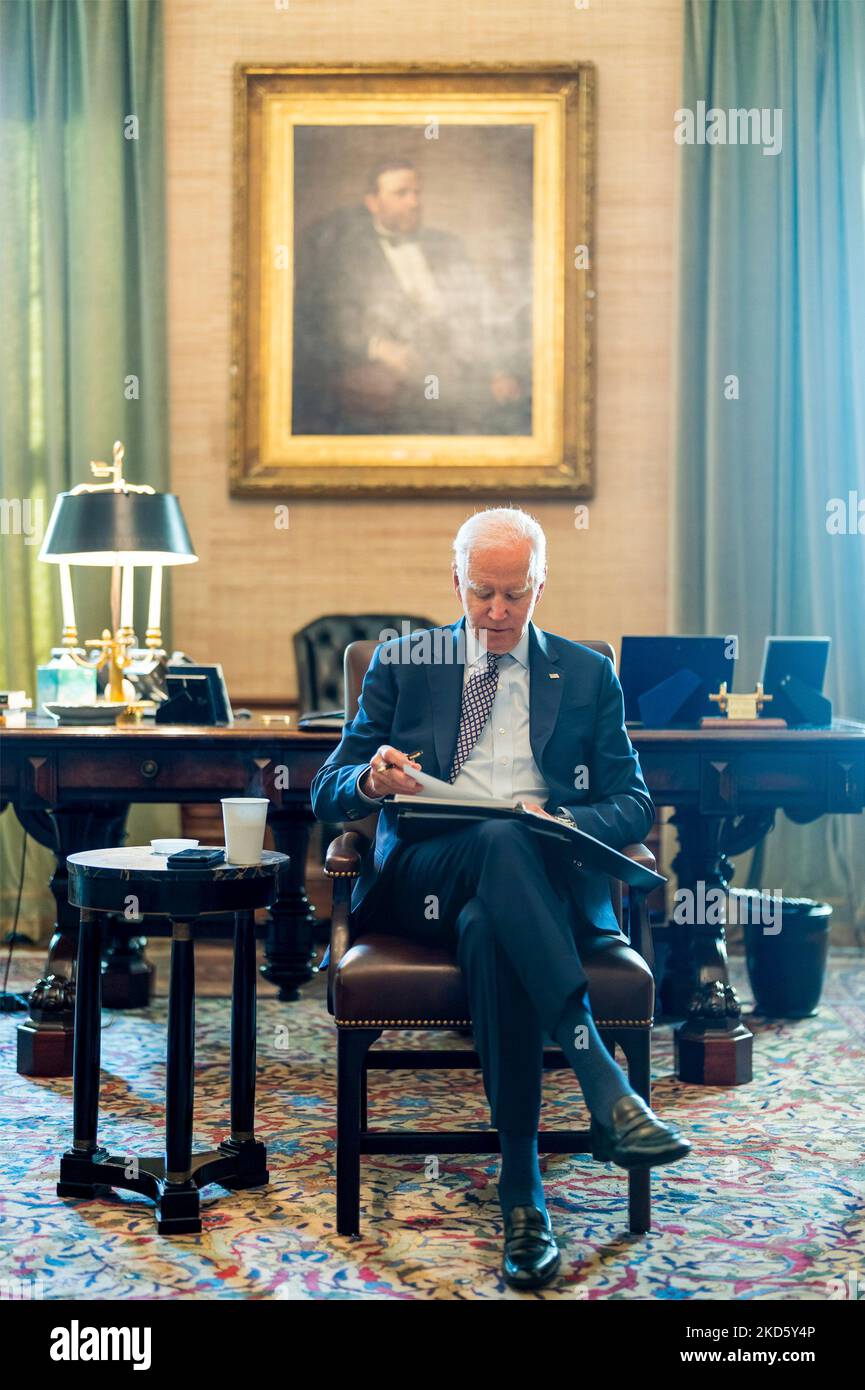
[(536, 809), (400, 357), (382, 780), (504, 388)]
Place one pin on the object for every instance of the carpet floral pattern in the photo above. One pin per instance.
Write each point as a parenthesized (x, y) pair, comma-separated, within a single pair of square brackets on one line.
[(770, 1203)]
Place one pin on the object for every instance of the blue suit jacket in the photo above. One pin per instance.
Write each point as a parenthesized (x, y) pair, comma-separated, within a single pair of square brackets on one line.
[(576, 719)]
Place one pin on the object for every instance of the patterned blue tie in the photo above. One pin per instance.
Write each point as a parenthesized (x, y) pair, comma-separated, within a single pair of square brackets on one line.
[(478, 695)]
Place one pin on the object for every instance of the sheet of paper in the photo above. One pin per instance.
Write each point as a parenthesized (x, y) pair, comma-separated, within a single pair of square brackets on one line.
[(432, 786)]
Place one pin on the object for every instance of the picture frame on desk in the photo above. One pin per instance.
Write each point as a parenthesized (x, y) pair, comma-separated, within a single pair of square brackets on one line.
[(451, 357), (196, 695)]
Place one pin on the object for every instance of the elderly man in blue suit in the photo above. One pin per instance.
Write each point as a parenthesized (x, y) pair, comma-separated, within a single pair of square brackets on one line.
[(502, 709)]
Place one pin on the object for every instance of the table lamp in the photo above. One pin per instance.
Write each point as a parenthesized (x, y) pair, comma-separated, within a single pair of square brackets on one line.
[(120, 526)]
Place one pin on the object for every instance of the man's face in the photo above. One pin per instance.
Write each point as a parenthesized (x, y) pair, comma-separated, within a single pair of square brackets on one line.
[(498, 596), (397, 204)]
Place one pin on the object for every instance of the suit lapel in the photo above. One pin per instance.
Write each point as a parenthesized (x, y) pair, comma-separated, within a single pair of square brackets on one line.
[(545, 691), (446, 690)]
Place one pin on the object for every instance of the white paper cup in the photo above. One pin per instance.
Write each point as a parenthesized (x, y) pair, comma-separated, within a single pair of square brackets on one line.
[(244, 819)]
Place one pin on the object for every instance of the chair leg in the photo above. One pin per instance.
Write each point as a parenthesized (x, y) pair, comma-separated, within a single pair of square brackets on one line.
[(637, 1047), (352, 1047)]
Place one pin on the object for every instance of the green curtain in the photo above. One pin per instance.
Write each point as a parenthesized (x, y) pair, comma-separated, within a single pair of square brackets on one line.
[(772, 293), (82, 307)]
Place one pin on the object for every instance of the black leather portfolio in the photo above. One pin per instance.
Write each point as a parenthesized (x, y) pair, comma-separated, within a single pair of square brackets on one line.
[(421, 816)]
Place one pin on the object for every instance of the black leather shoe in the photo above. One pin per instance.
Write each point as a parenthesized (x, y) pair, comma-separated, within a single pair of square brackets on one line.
[(636, 1138), (531, 1256)]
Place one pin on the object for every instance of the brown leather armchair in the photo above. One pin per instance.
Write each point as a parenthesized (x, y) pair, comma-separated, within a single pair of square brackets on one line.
[(378, 981)]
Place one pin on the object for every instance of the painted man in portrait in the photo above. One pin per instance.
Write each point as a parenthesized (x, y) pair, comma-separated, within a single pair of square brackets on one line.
[(395, 328)]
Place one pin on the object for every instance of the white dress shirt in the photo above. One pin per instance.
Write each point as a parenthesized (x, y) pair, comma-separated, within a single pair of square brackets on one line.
[(501, 764), (412, 270)]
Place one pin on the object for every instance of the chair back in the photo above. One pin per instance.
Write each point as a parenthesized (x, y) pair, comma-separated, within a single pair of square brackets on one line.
[(319, 646), (358, 655)]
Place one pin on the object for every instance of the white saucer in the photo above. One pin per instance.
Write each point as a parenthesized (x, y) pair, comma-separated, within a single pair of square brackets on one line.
[(101, 713)]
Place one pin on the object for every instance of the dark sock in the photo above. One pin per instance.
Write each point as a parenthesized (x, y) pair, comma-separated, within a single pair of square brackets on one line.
[(601, 1078), (520, 1182)]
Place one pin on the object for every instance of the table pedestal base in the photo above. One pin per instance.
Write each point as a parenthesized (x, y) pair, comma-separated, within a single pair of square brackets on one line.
[(46, 1039), (713, 1046), (45, 1049), (714, 1057), (235, 1165)]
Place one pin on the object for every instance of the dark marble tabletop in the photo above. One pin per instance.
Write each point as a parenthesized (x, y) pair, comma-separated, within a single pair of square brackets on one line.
[(141, 862)]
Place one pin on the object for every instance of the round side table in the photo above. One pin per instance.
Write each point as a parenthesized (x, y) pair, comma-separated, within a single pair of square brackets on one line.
[(136, 882)]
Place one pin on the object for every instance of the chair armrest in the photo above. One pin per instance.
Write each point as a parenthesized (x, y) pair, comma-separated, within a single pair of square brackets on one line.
[(640, 926), (641, 854), (344, 855), (342, 864)]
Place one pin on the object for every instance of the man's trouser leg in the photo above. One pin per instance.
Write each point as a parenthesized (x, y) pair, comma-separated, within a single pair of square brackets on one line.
[(506, 1029), (487, 889)]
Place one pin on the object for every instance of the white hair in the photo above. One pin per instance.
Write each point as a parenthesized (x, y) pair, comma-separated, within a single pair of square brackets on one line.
[(497, 524)]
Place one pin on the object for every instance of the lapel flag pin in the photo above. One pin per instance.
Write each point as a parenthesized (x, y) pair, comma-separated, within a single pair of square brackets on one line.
[(553, 675)]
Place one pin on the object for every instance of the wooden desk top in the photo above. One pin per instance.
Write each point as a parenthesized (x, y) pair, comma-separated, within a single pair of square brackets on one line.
[(842, 729), (720, 771), (258, 730), (47, 763), (243, 730)]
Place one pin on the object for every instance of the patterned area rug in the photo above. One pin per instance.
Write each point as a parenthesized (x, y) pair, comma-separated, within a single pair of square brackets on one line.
[(769, 1205)]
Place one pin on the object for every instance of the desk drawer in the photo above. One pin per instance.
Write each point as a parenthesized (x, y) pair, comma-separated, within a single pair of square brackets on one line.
[(163, 769), (808, 780), (668, 774), (845, 781)]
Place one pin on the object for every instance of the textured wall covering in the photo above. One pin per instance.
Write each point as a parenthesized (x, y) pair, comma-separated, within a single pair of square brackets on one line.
[(255, 585)]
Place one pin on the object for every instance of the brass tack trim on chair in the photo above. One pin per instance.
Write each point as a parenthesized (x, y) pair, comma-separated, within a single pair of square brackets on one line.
[(403, 1023), (467, 1023), (341, 873)]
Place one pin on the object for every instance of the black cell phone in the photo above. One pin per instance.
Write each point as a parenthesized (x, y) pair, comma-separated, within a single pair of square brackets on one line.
[(198, 858)]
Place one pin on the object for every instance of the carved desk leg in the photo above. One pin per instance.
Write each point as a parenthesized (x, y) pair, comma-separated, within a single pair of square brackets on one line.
[(66, 830), (713, 1046), (289, 944), (127, 976)]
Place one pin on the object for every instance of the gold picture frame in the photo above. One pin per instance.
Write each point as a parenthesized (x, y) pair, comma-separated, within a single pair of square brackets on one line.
[(313, 292)]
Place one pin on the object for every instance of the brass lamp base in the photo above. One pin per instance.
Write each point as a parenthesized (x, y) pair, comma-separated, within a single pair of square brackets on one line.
[(113, 651)]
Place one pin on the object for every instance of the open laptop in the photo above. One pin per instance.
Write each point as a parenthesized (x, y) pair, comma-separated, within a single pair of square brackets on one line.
[(695, 666)]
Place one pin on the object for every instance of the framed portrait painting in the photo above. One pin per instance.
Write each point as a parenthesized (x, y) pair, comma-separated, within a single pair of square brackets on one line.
[(412, 290)]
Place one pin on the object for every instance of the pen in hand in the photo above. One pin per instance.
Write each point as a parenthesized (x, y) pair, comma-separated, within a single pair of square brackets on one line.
[(412, 757), (386, 777)]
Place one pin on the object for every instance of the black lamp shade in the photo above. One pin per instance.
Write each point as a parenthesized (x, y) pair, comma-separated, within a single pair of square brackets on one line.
[(115, 528)]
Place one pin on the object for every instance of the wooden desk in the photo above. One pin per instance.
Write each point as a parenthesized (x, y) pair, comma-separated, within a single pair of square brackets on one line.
[(71, 789), (726, 786)]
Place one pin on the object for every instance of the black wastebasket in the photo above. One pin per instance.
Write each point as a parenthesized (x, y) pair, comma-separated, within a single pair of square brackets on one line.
[(787, 967)]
